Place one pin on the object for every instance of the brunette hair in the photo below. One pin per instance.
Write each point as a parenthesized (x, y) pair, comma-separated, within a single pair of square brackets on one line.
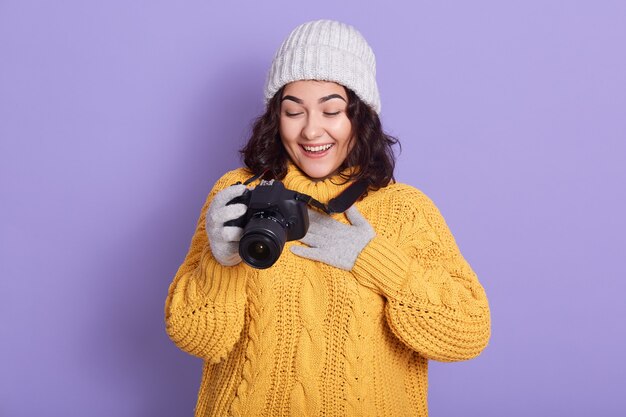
[(372, 156)]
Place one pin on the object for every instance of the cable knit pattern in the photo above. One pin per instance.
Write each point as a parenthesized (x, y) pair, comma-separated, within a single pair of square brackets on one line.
[(305, 338)]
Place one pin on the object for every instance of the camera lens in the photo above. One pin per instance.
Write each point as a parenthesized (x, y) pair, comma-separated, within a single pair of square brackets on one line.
[(259, 251), (262, 242)]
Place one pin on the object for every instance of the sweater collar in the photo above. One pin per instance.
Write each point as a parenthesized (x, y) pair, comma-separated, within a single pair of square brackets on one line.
[(322, 190)]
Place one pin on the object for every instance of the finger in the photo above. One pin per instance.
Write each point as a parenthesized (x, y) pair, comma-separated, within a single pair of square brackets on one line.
[(304, 252), (230, 212), (317, 228), (325, 221), (314, 216), (314, 220), (355, 217), (228, 194), (321, 218), (313, 239), (232, 233)]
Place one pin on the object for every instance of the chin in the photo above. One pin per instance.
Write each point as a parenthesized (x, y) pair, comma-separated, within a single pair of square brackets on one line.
[(317, 173)]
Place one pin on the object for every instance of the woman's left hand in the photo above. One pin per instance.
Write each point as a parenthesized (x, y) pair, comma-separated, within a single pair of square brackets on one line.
[(333, 242)]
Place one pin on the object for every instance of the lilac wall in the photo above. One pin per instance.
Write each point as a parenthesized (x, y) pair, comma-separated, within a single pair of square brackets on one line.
[(117, 117)]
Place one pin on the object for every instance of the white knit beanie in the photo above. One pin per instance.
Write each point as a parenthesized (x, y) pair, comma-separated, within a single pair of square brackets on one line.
[(326, 50)]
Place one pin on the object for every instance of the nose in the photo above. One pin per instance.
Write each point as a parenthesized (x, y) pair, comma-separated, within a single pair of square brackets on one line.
[(313, 128)]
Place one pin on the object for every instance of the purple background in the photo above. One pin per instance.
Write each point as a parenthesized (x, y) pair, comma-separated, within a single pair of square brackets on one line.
[(116, 118)]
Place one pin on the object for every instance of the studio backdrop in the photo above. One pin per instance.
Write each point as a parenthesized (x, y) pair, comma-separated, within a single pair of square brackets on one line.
[(117, 117)]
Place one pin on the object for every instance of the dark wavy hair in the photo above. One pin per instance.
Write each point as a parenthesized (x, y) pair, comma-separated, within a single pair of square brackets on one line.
[(372, 156)]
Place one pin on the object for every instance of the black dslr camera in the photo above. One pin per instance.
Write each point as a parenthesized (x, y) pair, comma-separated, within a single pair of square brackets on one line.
[(275, 215)]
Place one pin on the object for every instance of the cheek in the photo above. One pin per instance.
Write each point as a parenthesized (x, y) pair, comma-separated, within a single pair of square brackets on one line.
[(288, 141), (288, 132), (343, 132), (351, 144)]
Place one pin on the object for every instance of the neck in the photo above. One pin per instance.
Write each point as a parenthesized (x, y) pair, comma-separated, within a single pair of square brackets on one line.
[(322, 189)]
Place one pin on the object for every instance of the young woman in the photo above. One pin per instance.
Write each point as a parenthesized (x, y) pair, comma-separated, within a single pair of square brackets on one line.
[(345, 321)]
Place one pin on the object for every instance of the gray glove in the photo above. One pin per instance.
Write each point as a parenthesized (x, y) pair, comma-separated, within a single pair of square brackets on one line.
[(224, 240), (333, 242)]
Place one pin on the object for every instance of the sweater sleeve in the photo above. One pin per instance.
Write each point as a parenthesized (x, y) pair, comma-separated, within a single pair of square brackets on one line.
[(435, 303), (205, 305)]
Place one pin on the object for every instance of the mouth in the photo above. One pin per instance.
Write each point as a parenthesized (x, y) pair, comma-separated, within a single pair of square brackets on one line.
[(317, 149)]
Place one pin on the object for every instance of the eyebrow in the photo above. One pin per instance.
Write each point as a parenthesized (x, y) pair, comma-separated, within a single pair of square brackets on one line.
[(321, 100)]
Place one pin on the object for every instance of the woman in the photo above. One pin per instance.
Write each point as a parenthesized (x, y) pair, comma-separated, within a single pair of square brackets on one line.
[(345, 321)]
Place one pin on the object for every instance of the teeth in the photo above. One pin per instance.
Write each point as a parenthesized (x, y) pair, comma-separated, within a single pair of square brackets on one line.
[(317, 148)]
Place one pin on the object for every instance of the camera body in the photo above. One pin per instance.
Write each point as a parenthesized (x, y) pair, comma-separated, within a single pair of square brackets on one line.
[(275, 215)]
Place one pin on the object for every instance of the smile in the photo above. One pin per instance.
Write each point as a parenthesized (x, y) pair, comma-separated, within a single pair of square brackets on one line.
[(317, 149)]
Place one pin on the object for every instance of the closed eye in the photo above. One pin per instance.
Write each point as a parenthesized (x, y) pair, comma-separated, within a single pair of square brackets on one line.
[(332, 114), (292, 114)]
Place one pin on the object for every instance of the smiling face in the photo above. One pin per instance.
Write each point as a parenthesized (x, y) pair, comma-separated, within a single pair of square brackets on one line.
[(314, 127)]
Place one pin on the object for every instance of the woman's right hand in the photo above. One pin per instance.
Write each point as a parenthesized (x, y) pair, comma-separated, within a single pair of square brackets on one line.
[(224, 240)]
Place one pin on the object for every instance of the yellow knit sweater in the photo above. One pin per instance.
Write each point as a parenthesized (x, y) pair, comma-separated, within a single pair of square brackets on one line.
[(306, 339)]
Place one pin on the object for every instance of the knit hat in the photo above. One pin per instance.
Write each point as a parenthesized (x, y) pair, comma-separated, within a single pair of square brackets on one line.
[(326, 50)]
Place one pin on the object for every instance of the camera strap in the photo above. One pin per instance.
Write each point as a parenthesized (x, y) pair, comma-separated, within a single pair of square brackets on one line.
[(338, 204), (252, 179)]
